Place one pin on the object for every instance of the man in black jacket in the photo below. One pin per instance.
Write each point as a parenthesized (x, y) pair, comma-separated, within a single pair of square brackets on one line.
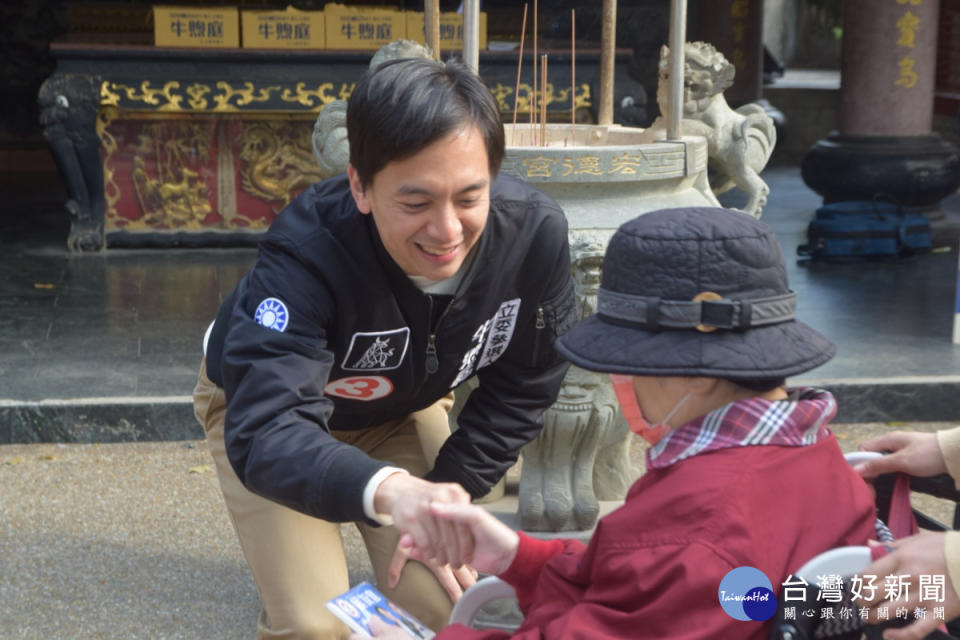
[(329, 371)]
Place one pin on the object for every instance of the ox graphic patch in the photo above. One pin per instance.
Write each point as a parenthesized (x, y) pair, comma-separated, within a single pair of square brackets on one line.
[(272, 314), (377, 350), (490, 340)]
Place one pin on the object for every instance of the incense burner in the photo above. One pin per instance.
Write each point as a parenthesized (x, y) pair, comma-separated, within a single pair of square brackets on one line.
[(604, 175), (601, 176)]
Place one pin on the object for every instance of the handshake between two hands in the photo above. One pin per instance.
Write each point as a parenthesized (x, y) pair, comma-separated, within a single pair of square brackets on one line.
[(441, 529)]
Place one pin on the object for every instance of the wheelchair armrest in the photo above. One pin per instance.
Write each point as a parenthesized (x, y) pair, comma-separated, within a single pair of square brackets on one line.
[(476, 597), (941, 486), (842, 561)]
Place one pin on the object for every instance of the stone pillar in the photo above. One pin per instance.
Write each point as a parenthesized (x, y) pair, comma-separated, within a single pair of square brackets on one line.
[(885, 144), (889, 59), (735, 28)]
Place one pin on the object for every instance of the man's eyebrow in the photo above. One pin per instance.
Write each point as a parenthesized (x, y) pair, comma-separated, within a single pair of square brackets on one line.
[(412, 190), (416, 190), (479, 184)]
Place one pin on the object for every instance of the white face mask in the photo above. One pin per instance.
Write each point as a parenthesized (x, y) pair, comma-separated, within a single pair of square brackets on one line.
[(627, 397)]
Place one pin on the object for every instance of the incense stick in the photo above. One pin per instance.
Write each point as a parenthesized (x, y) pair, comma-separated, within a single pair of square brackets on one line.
[(533, 103), (431, 16), (516, 90), (608, 47), (543, 101), (573, 76)]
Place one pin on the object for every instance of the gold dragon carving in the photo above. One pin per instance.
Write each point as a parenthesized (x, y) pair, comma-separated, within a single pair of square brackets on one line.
[(278, 158)]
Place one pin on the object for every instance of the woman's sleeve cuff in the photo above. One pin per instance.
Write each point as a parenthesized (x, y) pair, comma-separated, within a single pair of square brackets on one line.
[(524, 571), (952, 553), (949, 441)]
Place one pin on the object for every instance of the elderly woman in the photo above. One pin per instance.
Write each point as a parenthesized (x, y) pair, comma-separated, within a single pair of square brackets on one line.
[(697, 323)]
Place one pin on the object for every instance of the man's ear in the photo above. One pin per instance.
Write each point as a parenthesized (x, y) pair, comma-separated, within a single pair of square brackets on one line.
[(357, 191)]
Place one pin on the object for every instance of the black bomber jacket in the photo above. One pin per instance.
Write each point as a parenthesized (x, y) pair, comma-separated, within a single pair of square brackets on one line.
[(327, 332)]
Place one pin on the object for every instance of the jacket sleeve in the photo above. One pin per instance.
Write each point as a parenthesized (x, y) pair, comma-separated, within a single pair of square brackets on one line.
[(522, 574), (505, 411), (276, 432), (460, 632), (532, 555), (668, 591)]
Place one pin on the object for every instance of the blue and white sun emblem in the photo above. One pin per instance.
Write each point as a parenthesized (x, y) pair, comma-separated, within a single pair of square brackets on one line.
[(272, 314)]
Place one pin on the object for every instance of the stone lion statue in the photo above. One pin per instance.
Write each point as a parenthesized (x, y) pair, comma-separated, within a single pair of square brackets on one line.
[(739, 142), (330, 146)]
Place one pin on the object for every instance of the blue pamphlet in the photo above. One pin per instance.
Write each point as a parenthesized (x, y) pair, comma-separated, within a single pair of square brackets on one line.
[(358, 605)]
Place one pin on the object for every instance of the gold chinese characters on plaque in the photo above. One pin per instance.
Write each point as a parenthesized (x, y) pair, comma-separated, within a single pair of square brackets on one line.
[(289, 29), (209, 27)]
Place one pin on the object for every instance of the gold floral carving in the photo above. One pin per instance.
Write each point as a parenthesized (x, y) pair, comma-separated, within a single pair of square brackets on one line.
[(111, 93), (111, 190), (197, 93), (249, 94), (315, 98), (223, 97), (551, 95)]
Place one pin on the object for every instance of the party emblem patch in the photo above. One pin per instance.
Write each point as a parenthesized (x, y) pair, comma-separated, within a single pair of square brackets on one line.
[(272, 314)]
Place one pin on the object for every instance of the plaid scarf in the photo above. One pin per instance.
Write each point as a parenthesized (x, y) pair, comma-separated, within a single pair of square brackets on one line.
[(798, 421)]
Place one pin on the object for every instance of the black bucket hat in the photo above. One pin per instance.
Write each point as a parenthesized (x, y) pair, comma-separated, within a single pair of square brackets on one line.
[(696, 291)]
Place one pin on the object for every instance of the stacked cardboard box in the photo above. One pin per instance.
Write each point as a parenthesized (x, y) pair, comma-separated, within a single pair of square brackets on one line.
[(208, 27), (338, 26), (289, 29)]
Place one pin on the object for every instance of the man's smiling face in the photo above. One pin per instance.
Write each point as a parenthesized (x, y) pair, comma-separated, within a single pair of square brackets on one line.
[(430, 208)]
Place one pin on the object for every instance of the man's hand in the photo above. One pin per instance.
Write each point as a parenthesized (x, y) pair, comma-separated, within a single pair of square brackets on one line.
[(917, 454), (454, 580), (494, 544), (922, 554), (407, 499)]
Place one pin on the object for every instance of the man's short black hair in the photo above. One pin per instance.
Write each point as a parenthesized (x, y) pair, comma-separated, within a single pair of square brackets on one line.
[(400, 107)]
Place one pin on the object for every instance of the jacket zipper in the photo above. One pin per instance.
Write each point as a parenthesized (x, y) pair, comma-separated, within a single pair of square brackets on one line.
[(540, 325), (432, 363)]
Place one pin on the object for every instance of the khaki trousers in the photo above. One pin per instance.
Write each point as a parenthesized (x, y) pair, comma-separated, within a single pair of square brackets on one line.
[(297, 561)]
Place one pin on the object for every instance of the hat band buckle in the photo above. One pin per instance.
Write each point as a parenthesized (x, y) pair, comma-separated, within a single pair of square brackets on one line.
[(707, 312)]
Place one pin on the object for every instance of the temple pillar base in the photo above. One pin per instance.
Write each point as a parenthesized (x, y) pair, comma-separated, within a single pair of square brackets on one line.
[(917, 172)]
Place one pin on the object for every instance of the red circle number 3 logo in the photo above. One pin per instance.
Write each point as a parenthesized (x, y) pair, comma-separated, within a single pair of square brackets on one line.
[(363, 388)]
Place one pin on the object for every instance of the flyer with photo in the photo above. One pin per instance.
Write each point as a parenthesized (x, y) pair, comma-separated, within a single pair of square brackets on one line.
[(358, 605)]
